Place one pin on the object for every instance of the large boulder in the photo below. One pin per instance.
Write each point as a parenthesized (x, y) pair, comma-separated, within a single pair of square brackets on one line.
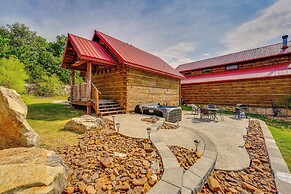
[(32, 170), (84, 123), (14, 129)]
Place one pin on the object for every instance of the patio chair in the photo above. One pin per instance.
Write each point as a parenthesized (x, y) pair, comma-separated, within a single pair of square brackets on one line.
[(211, 106), (195, 110), (204, 112)]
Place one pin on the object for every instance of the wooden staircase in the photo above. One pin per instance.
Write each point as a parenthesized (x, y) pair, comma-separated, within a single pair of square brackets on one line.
[(109, 107), (88, 95)]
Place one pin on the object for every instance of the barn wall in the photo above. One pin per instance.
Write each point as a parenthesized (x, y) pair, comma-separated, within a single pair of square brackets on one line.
[(112, 84), (148, 87), (257, 92)]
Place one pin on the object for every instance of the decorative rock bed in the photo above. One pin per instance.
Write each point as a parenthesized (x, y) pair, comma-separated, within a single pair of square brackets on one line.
[(105, 161), (164, 125), (257, 178), (186, 157)]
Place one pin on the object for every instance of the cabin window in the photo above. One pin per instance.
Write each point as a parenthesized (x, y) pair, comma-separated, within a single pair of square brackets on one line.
[(187, 73), (231, 67), (207, 70)]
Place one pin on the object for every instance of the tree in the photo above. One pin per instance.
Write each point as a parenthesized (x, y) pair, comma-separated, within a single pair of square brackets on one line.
[(12, 74), (40, 58), (49, 86), (57, 47)]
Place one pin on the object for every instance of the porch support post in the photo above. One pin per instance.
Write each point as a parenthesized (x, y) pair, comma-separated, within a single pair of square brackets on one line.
[(88, 93), (72, 84)]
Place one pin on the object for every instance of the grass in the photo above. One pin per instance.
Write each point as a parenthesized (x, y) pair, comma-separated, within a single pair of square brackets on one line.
[(283, 139), (48, 120)]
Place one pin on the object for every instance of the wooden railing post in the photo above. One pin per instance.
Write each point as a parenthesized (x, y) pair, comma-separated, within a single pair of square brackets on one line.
[(88, 91), (96, 99), (79, 91), (72, 84)]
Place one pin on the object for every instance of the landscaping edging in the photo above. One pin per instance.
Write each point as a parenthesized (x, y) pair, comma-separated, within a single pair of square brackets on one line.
[(173, 179), (195, 177), (278, 165)]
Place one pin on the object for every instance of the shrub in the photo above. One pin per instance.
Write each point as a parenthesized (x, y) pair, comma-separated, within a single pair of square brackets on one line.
[(49, 86), (12, 74)]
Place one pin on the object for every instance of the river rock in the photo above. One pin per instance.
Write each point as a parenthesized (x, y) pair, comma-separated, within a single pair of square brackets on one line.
[(213, 184), (84, 123), (32, 170), (14, 129)]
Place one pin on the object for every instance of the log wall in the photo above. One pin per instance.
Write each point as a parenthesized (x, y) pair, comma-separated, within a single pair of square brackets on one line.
[(148, 87), (112, 84), (258, 92)]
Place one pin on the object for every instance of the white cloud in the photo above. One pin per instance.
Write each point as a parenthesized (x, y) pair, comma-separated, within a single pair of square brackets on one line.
[(177, 54), (269, 26)]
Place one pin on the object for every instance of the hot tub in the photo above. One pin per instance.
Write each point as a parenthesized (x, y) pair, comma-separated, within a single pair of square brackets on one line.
[(170, 113)]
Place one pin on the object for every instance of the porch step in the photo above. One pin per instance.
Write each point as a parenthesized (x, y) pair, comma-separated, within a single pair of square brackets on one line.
[(115, 112), (109, 107)]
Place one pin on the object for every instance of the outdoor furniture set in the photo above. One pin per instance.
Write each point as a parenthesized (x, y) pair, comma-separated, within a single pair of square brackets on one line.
[(210, 112)]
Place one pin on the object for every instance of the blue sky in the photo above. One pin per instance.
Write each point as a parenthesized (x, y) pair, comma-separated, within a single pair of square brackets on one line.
[(178, 31)]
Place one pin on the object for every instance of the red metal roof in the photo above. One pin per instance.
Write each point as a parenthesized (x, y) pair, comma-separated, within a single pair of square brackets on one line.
[(131, 55), (257, 53), (90, 50), (241, 74)]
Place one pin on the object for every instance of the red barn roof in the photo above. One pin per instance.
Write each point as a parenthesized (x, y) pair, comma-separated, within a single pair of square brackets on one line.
[(133, 56), (90, 50), (241, 74), (257, 53)]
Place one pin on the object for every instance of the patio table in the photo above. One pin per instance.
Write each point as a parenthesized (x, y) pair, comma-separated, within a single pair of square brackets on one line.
[(211, 113)]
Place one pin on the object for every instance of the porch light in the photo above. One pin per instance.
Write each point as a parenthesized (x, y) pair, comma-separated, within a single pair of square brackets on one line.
[(196, 143), (118, 126), (149, 132)]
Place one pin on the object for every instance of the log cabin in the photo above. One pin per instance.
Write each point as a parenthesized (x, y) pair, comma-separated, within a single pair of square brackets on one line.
[(118, 75), (254, 77)]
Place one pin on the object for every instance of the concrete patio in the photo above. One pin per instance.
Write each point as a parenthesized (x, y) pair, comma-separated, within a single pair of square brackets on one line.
[(227, 135)]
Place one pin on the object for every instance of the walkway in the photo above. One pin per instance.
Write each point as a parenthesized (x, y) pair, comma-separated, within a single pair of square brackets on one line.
[(227, 135)]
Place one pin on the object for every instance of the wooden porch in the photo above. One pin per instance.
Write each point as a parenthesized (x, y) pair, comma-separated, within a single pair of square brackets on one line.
[(101, 107)]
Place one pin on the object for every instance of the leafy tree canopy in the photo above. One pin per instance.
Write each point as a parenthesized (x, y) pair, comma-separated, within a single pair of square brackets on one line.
[(12, 74), (40, 58)]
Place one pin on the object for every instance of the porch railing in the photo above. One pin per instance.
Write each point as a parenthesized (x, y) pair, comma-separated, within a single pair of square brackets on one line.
[(79, 92)]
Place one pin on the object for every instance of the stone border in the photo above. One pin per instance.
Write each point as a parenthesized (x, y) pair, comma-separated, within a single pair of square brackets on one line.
[(173, 179), (195, 177), (278, 165)]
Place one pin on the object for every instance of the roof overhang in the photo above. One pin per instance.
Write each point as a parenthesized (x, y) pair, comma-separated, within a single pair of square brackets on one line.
[(79, 51), (271, 71)]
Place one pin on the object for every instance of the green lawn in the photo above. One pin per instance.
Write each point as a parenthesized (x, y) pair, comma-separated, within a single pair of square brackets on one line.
[(48, 120), (283, 140)]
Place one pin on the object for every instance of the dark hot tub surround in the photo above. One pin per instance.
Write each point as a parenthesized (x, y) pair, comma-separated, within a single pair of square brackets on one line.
[(170, 113)]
